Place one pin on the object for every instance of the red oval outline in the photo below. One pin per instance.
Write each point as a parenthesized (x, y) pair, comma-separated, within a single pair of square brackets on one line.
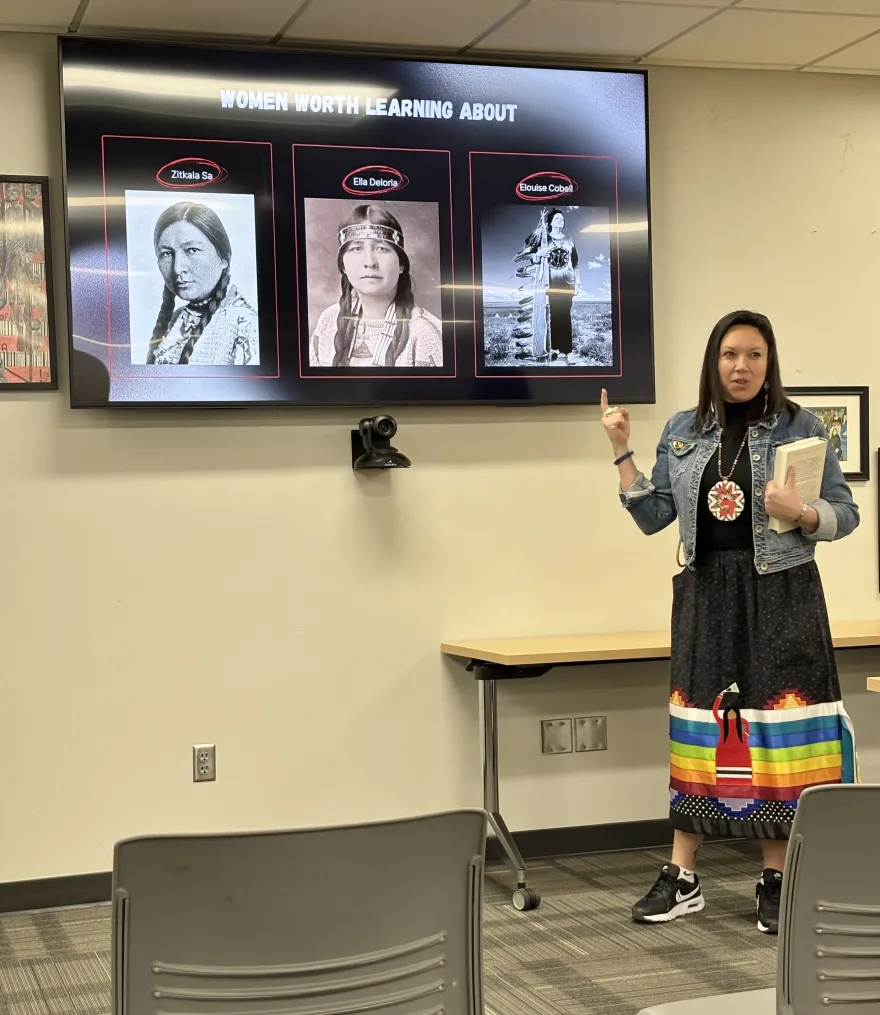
[(547, 197), (221, 174), (404, 181)]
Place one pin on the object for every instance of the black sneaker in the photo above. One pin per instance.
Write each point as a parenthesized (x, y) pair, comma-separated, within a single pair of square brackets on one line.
[(769, 893), (670, 897)]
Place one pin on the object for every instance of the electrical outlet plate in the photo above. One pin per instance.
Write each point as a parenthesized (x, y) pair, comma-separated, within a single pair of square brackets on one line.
[(204, 762), (591, 733), (556, 736)]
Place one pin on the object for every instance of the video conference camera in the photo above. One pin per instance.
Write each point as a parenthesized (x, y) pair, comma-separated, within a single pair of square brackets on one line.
[(371, 446)]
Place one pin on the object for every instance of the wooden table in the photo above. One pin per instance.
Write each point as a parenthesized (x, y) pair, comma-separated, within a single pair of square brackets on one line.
[(494, 659)]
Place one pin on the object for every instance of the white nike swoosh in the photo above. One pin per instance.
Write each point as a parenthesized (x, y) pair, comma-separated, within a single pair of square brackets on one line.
[(683, 898)]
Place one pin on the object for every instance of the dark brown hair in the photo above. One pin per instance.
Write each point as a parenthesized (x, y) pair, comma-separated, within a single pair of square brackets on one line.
[(207, 221), (404, 301), (542, 230), (711, 401)]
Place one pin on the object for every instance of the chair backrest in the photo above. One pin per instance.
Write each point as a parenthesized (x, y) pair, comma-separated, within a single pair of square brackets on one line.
[(829, 931), (329, 921)]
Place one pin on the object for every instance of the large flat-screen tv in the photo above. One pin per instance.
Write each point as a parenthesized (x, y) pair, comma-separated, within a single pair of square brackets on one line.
[(249, 228)]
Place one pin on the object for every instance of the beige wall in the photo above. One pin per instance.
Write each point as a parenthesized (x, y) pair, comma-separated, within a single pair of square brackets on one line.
[(171, 579)]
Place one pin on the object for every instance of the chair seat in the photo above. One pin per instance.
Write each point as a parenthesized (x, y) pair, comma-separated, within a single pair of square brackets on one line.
[(746, 1002)]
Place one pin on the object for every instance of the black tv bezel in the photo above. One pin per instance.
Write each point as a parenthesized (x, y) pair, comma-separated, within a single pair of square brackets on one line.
[(415, 55)]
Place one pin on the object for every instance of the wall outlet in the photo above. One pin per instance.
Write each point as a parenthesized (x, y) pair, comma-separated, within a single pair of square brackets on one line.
[(556, 736), (591, 733), (204, 762)]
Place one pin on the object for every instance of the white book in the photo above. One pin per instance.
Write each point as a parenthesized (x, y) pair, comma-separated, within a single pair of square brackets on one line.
[(807, 458)]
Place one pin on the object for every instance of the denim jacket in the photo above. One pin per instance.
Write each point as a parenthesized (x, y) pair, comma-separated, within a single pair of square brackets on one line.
[(674, 487)]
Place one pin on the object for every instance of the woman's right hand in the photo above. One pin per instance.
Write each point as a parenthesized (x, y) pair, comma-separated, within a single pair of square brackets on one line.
[(616, 423)]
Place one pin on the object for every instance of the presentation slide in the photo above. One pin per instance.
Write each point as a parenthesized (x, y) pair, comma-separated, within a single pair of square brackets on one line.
[(253, 228)]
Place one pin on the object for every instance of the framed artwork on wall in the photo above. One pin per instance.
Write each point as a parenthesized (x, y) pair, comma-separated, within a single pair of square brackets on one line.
[(27, 318), (844, 413)]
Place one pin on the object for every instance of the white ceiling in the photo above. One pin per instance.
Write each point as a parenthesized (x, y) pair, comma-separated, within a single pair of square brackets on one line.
[(841, 36)]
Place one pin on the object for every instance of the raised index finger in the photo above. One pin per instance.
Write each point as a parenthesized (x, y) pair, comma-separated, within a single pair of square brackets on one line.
[(604, 400)]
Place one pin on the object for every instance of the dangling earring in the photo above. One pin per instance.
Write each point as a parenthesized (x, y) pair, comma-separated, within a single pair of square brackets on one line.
[(766, 396)]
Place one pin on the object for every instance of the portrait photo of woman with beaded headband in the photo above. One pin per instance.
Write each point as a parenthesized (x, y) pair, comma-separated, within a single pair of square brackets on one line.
[(197, 306), (385, 311)]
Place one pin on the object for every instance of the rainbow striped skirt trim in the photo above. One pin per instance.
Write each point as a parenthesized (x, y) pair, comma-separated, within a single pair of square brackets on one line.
[(752, 764)]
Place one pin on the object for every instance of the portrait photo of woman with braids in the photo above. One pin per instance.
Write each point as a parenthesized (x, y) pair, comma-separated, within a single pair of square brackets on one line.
[(202, 317), (378, 319)]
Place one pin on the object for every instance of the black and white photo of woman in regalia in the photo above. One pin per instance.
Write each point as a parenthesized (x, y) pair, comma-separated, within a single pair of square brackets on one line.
[(377, 320), (203, 319), (549, 260)]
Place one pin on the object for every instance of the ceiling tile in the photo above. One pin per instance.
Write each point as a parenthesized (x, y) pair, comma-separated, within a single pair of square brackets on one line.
[(832, 7), (257, 19), (42, 14), (395, 22), (757, 37), (710, 5), (862, 56), (593, 29), (857, 71)]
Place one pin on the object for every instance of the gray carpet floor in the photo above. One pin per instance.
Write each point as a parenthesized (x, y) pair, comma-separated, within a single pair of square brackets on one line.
[(579, 953)]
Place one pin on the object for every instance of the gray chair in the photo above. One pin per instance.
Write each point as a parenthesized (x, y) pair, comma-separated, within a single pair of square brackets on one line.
[(329, 921), (829, 928)]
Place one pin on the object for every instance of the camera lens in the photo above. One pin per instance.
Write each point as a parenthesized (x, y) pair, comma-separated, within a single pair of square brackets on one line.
[(385, 426)]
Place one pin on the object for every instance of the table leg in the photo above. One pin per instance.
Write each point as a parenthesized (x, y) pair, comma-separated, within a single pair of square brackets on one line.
[(524, 897)]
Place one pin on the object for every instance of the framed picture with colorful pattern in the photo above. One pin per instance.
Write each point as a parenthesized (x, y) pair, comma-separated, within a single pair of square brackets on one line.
[(27, 318), (844, 414)]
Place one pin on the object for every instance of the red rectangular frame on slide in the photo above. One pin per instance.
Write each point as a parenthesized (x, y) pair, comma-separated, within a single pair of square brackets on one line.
[(200, 375), (354, 377), (562, 373)]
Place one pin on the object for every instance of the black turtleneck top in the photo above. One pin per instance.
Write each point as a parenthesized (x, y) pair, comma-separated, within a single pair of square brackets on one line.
[(737, 534)]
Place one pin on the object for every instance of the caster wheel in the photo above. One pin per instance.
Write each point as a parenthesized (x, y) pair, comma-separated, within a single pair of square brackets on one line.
[(526, 898)]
